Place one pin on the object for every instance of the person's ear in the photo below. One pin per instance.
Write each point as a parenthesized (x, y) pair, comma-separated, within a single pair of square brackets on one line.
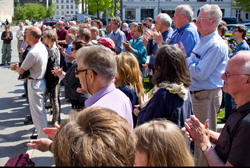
[(93, 76)]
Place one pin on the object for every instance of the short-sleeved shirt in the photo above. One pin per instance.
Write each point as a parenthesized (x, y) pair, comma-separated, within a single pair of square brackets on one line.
[(114, 99), (36, 61), (61, 35), (236, 151), (242, 46)]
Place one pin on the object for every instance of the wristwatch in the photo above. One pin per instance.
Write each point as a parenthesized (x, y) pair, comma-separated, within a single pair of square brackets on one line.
[(206, 147)]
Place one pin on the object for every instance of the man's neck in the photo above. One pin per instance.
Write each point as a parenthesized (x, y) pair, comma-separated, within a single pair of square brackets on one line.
[(32, 43), (241, 100), (115, 29), (239, 40), (165, 28)]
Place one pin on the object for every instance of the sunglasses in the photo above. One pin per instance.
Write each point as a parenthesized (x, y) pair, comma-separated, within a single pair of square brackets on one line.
[(72, 49), (84, 70)]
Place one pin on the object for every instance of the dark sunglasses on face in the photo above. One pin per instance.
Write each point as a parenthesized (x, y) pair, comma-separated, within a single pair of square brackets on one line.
[(83, 70)]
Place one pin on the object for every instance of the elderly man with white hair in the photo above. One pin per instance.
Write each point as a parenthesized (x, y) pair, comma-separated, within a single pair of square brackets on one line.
[(127, 31), (206, 64), (20, 36), (232, 144)]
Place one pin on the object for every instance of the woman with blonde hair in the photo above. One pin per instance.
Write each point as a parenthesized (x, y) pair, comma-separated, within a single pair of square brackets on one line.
[(128, 79), (161, 143)]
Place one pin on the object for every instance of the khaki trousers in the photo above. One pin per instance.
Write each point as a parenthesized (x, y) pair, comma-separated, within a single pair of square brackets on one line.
[(19, 43), (36, 92), (206, 104)]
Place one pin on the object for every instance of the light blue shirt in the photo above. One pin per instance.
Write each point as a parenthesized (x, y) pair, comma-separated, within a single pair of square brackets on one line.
[(205, 72), (68, 52), (188, 35), (118, 36), (139, 50)]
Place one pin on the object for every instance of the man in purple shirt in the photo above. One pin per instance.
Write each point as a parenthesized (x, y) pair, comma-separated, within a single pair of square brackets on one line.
[(96, 71)]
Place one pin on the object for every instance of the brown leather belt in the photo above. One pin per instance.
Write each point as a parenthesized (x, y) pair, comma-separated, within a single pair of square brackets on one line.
[(193, 92)]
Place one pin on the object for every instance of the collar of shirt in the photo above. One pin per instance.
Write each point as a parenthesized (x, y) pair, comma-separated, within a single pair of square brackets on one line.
[(183, 27), (207, 37), (117, 30), (244, 107), (134, 41), (100, 93)]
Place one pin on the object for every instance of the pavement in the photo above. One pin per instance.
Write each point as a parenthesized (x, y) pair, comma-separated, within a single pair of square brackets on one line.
[(14, 135)]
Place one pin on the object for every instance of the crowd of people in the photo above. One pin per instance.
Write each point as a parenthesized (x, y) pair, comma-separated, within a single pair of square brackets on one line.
[(113, 121)]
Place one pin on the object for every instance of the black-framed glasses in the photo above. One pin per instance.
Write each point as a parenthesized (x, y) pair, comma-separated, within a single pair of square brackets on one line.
[(197, 55), (72, 49), (83, 70), (226, 74)]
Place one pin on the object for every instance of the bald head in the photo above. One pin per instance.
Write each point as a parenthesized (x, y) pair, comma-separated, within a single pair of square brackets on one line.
[(242, 61), (35, 31)]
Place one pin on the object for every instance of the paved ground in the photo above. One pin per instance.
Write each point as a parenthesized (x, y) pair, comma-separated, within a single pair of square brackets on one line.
[(14, 135)]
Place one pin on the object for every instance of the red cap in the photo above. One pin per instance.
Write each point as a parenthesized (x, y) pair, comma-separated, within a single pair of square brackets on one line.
[(107, 42)]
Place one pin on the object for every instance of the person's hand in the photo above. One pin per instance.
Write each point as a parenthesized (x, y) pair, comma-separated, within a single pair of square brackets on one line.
[(197, 131), (150, 34), (144, 39), (126, 45), (80, 90), (40, 144), (136, 110), (144, 100), (14, 66), (22, 50), (57, 71), (51, 131), (157, 36)]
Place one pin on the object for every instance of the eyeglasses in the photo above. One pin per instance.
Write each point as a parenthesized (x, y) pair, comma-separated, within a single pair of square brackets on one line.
[(197, 55), (201, 19), (177, 15), (72, 49), (226, 74), (235, 30), (84, 70)]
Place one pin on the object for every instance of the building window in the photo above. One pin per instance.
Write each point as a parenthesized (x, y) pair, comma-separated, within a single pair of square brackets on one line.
[(61, 1), (67, 6), (201, 0), (67, 12), (62, 12), (147, 13), (72, 1), (130, 14), (57, 1), (67, 1), (57, 7), (71, 12), (57, 12), (142, 0), (72, 7), (185, 0), (238, 14), (76, 12), (247, 15), (76, 6), (61, 6), (223, 12)]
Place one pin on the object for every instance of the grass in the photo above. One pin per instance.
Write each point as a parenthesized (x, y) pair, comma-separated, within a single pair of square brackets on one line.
[(220, 114)]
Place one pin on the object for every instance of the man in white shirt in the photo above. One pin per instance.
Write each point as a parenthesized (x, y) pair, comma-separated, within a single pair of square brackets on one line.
[(19, 36)]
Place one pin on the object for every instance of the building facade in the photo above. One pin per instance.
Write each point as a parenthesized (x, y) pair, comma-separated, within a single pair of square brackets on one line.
[(139, 10), (45, 3), (67, 9), (6, 10)]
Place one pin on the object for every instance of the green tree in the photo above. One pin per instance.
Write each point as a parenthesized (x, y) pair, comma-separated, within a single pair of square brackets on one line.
[(51, 11), (31, 11), (243, 4), (97, 6), (41, 11), (20, 13)]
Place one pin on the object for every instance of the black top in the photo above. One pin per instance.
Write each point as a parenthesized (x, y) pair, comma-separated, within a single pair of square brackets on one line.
[(133, 98), (71, 84), (233, 144), (166, 105), (8, 39)]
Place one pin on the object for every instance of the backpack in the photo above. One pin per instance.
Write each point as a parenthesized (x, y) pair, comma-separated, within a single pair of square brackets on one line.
[(51, 80)]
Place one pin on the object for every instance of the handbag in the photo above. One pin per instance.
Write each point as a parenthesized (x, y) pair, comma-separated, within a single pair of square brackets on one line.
[(24, 75), (21, 160)]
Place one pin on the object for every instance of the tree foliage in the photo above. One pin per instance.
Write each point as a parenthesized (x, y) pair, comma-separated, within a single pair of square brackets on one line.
[(34, 11), (243, 4), (97, 6)]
